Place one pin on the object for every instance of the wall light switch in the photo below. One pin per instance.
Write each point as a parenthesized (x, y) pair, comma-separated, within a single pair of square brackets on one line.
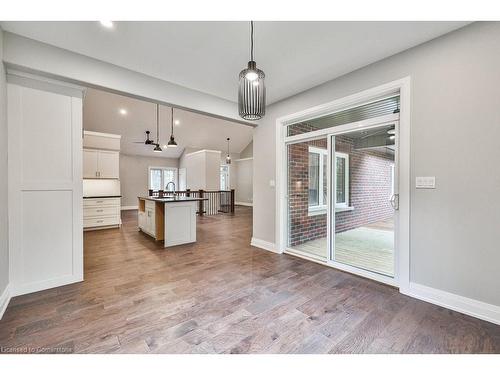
[(272, 183), (425, 182)]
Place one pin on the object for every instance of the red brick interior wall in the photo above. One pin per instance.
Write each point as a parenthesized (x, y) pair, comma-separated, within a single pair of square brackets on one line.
[(369, 190)]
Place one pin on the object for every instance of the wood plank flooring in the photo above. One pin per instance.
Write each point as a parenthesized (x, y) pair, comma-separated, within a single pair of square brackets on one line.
[(221, 295)]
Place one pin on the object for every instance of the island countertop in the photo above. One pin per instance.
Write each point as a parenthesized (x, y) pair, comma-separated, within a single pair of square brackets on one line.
[(173, 200)]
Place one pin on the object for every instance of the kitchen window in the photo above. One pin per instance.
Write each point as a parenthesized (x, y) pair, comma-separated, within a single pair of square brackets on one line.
[(318, 164), (159, 177)]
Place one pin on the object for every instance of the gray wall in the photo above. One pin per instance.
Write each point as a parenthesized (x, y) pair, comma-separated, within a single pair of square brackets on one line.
[(134, 175), (243, 177), (4, 245), (247, 151), (455, 127)]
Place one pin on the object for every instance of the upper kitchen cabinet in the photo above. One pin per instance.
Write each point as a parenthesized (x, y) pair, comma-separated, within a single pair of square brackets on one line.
[(101, 164), (101, 157)]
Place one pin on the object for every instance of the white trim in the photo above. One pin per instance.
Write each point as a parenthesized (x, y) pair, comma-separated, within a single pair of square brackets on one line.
[(244, 159), (307, 256), (39, 82), (464, 305), (124, 208), (243, 204), (403, 86), (341, 155), (18, 290), (322, 153), (4, 300), (342, 267), (352, 126), (199, 151), (364, 273), (99, 134), (269, 246)]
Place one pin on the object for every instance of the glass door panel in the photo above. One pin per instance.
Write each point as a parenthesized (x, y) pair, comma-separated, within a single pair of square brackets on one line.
[(363, 177), (307, 173)]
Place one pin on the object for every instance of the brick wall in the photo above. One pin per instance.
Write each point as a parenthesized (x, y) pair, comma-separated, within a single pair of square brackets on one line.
[(369, 186), (369, 190)]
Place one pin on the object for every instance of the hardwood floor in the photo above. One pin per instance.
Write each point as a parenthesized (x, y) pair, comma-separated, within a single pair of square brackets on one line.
[(221, 295)]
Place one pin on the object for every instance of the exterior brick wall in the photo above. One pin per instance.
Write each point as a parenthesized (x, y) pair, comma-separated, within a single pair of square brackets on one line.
[(369, 186), (369, 190)]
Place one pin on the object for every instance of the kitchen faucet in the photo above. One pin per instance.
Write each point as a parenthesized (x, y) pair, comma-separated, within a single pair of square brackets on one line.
[(166, 188)]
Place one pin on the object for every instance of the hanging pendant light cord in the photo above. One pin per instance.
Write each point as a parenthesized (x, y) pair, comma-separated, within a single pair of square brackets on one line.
[(157, 124), (172, 127), (251, 40)]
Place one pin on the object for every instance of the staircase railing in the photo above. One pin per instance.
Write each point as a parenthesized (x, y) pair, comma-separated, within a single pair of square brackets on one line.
[(218, 201)]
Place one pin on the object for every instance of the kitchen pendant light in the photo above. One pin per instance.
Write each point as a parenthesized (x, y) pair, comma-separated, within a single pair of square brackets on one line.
[(172, 142), (157, 144), (228, 158), (252, 89)]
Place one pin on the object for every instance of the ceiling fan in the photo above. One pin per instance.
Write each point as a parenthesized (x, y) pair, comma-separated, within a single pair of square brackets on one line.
[(147, 141)]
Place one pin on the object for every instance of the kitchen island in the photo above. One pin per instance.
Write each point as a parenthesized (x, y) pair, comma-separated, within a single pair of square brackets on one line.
[(171, 220)]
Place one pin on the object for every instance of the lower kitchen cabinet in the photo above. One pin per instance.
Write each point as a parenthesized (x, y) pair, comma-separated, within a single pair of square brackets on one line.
[(100, 213)]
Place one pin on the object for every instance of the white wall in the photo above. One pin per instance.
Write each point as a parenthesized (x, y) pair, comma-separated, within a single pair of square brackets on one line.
[(4, 244), (31, 55), (202, 168), (212, 170), (455, 127), (134, 175), (195, 170)]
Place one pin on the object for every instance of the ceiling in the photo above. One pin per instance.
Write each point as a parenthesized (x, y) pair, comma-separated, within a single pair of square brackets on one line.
[(101, 113), (207, 56)]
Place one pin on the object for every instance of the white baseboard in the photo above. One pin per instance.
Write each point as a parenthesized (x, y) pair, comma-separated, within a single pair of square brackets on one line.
[(4, 300), (464, 305), (123, 208), (269, 246), (243, 204), (18, 290)]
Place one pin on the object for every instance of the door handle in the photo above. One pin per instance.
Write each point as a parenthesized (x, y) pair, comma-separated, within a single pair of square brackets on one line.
[(395, 201)]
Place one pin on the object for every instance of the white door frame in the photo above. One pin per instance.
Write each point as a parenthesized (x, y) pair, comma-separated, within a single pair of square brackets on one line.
[(401, 86)]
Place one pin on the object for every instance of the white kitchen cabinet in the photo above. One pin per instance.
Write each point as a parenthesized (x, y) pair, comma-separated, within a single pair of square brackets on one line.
[(101, 213), (90, 163), (108, 164), (101, 164)]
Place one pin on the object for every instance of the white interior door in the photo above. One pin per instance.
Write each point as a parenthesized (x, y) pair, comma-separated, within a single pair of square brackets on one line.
[(45, 185), (108, 165)]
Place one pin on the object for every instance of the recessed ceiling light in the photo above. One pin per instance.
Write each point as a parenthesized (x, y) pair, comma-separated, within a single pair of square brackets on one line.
[(177, 122), (123, 111), (107, 24)]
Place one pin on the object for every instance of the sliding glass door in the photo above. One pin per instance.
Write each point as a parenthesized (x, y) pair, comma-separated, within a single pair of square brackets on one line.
[(342, 199), (308, 199), (364, 200)]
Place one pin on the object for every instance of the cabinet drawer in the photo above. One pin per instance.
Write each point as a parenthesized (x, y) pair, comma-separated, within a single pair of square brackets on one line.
[(150, 205), (100, 221), (101, 202), (100, 211)]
